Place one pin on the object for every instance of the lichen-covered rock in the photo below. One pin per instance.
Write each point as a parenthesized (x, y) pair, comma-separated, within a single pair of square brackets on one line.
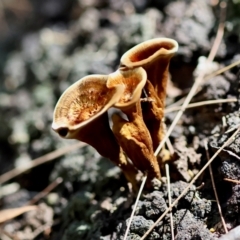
[(193, 28), (229, 166), (233, 205), (138, 227), (176, 189), (189, 228), (151, 207), (200, 208)]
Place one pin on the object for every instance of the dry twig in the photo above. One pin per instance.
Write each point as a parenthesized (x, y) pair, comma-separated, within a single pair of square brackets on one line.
[(8, 214), (214, 189), (45, 191), (231, 180), (38, 161), (135, 205), (199, 104), (169, 198)]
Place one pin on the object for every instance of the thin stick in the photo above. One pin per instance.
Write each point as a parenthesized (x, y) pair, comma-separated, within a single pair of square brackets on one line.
[(7, 236), (203, 103), (191, 183), (177, 103), (41, 229), (207, 77), (38, 161), (171, 150), (45, 191), (135, 206), (214, 189), (231, 180), (222, 70), (169, 198)]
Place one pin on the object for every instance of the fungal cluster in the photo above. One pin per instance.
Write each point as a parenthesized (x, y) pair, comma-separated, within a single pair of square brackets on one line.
[(81, 112)]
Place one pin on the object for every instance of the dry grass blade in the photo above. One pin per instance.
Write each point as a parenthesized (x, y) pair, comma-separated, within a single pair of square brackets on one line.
[(40, 230), (192, 182), (135, 206), (38, 161), (169, 199), (231, 180), (44, 192), (222, 70), (214, 74), (214, 189), (203, 103), (171, 150), (9, 214)]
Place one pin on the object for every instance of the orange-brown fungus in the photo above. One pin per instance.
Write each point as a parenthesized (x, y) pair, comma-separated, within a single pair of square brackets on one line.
[(154, 56), (87, 98), (145, 53), (136, 142), (81, 112), (133, 81), (90, 99), (149, 50)]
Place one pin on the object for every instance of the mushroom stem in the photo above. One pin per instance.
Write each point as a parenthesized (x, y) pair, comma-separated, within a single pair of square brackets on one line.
[(107, 146), (136, 142), (132, 134), (153, 114)]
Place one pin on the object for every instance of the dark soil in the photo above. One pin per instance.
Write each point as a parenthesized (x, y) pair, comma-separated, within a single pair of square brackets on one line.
[(45, 46)]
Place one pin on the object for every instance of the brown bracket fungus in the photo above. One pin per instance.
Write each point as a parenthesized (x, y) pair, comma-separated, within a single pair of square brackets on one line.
[(132, 134), (81, 113), (154, 56)]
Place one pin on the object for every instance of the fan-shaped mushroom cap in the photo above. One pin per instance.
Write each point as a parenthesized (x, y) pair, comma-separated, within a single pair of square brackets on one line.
[(83, 102), (133, 81)]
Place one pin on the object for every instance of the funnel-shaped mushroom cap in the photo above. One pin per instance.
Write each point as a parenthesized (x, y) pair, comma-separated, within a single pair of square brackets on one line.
[(149, 51), (154, 56), (133, 81), (83, 102)]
